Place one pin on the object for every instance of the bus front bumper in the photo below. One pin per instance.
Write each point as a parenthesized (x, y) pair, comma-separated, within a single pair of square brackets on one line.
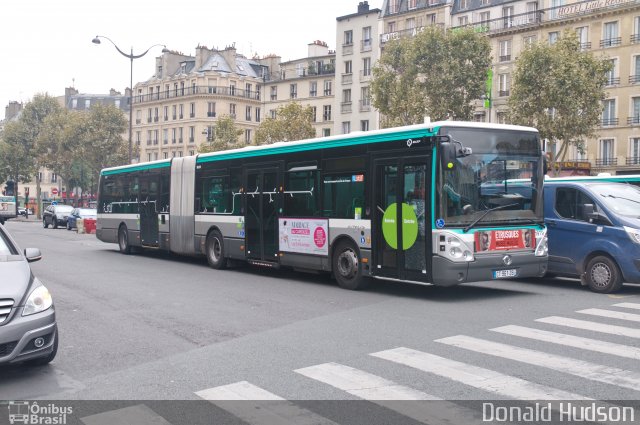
[(488, 267)]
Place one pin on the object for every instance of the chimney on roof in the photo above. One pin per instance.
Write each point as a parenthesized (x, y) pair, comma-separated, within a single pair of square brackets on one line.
[(318, 48), (363, 7), (229, 55), (202, 54)]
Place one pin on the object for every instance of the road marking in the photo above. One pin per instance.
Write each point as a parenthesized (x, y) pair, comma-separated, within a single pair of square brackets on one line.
[(139, 415), (361, 384), (634, 306), (611, 314), (591, 326), (259, 406), (474, 376), (581, 368), (572, 341), (390, 395)]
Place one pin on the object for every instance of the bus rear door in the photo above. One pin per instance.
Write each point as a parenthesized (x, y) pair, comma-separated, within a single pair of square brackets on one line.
[(263, 203)]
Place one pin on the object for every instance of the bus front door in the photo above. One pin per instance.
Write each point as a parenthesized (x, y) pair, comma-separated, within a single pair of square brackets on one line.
[(401, 236), (149, 227), (261, 219)]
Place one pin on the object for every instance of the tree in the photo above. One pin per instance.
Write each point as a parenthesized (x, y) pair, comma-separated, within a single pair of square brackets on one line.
[(293, 122), (225, 136), (437, 73), (559, 89)]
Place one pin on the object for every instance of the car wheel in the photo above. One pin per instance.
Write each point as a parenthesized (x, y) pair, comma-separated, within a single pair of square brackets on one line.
[(42, 361), (347, 267), (44, 223), (215, 251), (123, 240), (602, 275)]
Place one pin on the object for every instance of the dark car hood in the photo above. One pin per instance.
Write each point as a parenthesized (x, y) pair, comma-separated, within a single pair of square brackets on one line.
[(15, 276)]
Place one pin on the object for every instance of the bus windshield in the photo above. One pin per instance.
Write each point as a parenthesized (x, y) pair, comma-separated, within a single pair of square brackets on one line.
[(503, 174)]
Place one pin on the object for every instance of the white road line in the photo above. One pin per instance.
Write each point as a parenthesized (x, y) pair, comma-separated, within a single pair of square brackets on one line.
[(474, 376), (139, 415), (572, 341), (581, 368), (361, 384), (634, 306), (591, 326), (611, 314), (259, 406), (390, 395)]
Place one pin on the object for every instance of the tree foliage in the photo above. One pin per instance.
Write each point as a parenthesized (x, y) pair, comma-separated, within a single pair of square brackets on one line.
[(437, 73), (293, 122), (225, 136), (559, 89)]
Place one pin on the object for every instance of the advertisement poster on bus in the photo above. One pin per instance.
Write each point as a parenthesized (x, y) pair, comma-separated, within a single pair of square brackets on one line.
[(304, 235), (503, 240)]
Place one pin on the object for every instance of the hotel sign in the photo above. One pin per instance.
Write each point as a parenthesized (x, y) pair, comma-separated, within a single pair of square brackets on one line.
[(588, 6)]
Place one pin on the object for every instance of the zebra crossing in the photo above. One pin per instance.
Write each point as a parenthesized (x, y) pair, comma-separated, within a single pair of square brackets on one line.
[(366, 385)]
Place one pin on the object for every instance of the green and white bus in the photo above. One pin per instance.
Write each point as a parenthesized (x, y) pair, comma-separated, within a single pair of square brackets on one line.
[(7, 208), (413, 204)]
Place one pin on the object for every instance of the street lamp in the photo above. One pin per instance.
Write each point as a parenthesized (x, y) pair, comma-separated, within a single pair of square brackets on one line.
[(131, 57)]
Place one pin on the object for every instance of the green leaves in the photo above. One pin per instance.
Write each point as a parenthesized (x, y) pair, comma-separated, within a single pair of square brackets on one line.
[(437, 73), (292, 122), (225, 136), (559, 89)]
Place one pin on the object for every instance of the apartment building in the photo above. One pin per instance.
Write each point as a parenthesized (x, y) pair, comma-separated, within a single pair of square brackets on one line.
[(309, 81), (406, 18), (608, 28), (176, 109), (357, 50)]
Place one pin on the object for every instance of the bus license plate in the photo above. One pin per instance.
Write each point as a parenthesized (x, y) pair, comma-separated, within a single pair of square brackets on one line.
[(500, 274)]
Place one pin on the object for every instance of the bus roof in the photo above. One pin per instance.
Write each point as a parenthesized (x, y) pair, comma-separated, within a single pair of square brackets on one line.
[(598, 178), (351, 139)]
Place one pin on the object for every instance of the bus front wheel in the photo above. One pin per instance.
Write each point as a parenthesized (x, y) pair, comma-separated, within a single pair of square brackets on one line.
[(215, 251), (123, 240), (347, 267)]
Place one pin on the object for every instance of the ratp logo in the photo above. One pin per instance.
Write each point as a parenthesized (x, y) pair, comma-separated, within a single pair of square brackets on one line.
[(24, 412)]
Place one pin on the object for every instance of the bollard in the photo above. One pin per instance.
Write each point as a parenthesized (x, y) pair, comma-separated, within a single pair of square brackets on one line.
[(80, 225)]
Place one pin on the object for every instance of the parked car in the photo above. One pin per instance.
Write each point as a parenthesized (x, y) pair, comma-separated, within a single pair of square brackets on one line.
[(28, 330), (593, 230), (87, 214), (23, 211), (56, 215)]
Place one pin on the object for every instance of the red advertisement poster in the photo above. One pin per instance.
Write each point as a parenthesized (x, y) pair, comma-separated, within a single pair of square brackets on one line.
[(504, 240)]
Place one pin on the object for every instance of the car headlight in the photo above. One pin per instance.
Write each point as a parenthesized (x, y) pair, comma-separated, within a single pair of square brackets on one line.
[(39, 300), (634, 234)]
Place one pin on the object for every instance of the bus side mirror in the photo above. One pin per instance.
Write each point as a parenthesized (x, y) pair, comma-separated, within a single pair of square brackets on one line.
[(447, 155)]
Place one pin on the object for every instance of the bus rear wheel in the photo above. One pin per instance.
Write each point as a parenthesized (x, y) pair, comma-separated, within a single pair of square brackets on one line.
[(123, 240), (215, 251), (347, 267)]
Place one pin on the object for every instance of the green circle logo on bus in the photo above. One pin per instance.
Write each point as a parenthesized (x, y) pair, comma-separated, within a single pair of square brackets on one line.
[(409, 226)]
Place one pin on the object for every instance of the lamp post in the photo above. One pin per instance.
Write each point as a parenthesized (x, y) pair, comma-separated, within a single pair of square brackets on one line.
[(131, 57)]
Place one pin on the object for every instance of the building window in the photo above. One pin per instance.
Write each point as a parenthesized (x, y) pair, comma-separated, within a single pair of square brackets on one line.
[(529, 40), (485, 17), (532, 11), (553, 37), (609, 113), (149, 115), (173, 112), (257, 114), (149, 157), (348, 67), (211, 109), (165, 155), (610, 36), (166, 113), (247, 114), (192, 134), (138, 138), (326, 132), (155, 156), (391, 26), (314, 111), (181, 111), (463, 20), (431, 19), (192, 110), (366, 38), (272, 113), (293, 91), (501, 117), (507, 15), (247, 136), (156, 115), (634, 151), (348, 38), (165, 136), (463, 4), (232, 110), (505, 50), (394, 6), (366, 67), (149, 137), (607, 154), (274, 92), (505, 84), (634, 119), (173, 135), (313, 89), (180, 135), (210, 133), (583, 37), (346, 127), (326, 116), (611, 74), (54, 178), (364, 125), (327, 87), (413, 4), (410, 24)]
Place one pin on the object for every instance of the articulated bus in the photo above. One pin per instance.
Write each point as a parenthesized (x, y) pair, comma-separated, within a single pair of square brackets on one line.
[(412, 204)]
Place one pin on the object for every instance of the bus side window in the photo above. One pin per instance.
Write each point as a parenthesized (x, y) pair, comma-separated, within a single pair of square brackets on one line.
[(343, 195)]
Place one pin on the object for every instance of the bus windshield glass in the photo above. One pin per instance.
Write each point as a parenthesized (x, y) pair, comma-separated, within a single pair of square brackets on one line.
[(503, 173)]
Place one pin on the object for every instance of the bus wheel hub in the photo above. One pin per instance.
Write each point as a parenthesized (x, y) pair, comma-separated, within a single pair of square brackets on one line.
[(347, 264)]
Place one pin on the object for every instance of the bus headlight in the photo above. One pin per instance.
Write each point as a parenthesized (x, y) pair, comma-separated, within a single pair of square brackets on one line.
[(453, 247), (543, 247)]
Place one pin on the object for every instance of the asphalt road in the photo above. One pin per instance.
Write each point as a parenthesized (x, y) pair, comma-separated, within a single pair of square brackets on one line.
[(154, 326)]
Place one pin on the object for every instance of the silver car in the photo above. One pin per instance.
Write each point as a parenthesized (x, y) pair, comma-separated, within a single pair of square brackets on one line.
[(28, 330)]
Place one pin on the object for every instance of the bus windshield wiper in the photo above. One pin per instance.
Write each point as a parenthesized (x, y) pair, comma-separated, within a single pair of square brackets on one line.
[(477, 220)]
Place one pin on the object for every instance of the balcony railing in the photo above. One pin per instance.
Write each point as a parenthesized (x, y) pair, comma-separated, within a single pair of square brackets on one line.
[(365, 105), (634, 79), (347, 49), (585, 46), (211, 114), (503, 93), (347, 78), (199, 90), (633, 160), (610, 42), (635, 38), (614, 81), (633, 120), (505, 58), (345, 107), (602, 162), (365, 75), (365, 46), (607, 122)]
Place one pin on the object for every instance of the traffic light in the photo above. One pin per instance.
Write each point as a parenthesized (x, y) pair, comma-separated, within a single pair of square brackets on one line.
[(9, 188)]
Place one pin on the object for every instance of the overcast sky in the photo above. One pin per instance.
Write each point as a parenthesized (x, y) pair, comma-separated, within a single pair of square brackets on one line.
[(46, 44)]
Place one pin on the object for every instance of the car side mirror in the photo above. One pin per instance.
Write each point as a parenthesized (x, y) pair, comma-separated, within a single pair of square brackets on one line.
[(594, 216), (32, 254)]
